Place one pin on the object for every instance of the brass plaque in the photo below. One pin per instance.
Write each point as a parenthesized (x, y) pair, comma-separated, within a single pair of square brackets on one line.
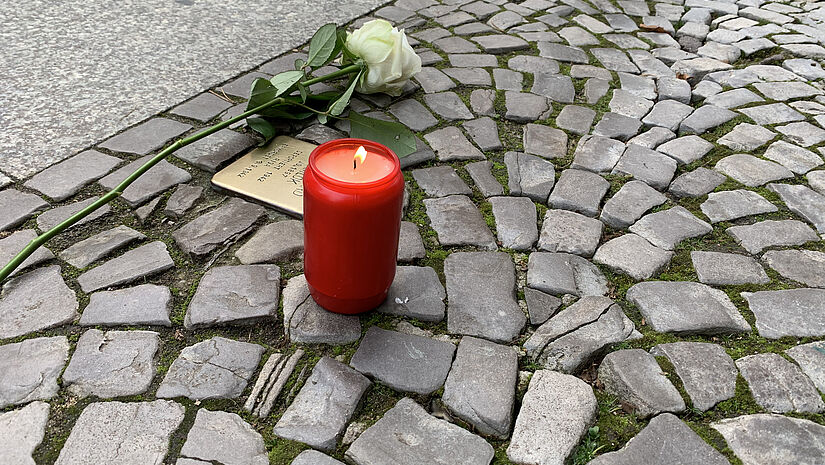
[(272, 174)]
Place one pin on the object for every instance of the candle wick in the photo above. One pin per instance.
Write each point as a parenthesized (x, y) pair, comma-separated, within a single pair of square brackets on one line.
[(353, 164)]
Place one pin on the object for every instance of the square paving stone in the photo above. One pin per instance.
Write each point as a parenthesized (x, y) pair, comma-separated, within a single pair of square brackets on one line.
[(416, 292), (778, 385), (222, 437), (51, 218), (580, 191), (305, 321), (450, 144), (204, 107), (629, 204), (440, 181), (121, 432), (629, 104), (212, 152), (159, 178), (34, 301), (752, 171), (112, 364), (724, 269), (570, 232), (472, 60), (562, 273), (404, 362), (556, 87), (667, 114), (683, 307), (324, 406), (21, 431), (696, 183), (437, 441), (616, 126), (413, 114), (791, 312), (596, 153), (746, 137), (16, 207), (707, 372), (458, 222), (274, 242), (14, 243), (84, 253), (448, 105), (649, 166), (632, 255), (146, 304), (235, 295), (515, 219), (730, 205), (453, 44), (635, 378), (480, 388), (508, 80), (500, 43), (30, 369), (143, 261), (524, 107), (804, 266), (66, 178), (529, 176), (433, 80), (667, 228), (146, 137), (205, 233), (575, 119), (686, 149), (217, 368), (544, 141)]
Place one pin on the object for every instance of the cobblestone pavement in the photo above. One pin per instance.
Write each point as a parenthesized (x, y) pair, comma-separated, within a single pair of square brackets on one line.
[(611, 253)]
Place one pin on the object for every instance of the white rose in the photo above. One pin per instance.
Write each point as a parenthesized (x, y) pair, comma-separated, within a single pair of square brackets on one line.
[(390, 59)]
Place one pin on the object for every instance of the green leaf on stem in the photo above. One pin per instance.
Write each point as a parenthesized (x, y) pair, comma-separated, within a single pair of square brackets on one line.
[(340, 105), (322, 45), (300, 63), (322, 118), (302, 89), (262, 127), (284, 81), (397, 137), (262, 91)]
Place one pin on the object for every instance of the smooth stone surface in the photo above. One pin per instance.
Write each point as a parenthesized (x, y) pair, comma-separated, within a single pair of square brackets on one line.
[(34, 301), (707, 372), (515, 222), (416, 293), (629, 104), (524, 107), (217, 368), (804, 266), (667, 228), (686, 149), (579, 191), (30, 369), (633, 255), (143, 261), (223, 437), (305, 321), (204, 107), (555, 413), (65, 179), (481, 296), (233, 295), (562, 273), (636, 379), (778, 385), (15, 242), (324, 405), (811, 359), (21, 431), (273, 242), (730, 205), (746, 137), (207, 232), (725, 269), (112, 364), (570, 232), (481, 386), (686, 308), (146, 304), (790, 312), (84, 253), (529, 175), (408, 435), (696, 183), (771, 438), (160, 177), (616, 126), (629, 204), (457, 221), (16, 207), (440, 181), (770, 233), (803, 201), (575, 119), (413, 114), (704, 118)]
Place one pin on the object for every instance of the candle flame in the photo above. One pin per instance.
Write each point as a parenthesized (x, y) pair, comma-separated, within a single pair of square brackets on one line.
[(360, 154)]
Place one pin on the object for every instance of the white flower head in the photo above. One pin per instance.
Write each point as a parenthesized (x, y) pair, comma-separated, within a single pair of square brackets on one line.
[(390, 59)]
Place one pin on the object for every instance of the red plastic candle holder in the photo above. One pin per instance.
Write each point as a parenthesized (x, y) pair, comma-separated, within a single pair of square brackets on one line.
[(352, 219)]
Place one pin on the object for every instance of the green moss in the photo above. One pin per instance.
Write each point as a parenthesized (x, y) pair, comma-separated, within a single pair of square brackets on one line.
[(283, 452)]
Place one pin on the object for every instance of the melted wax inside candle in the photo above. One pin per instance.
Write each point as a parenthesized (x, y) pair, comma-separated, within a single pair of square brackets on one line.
[(338, 164)]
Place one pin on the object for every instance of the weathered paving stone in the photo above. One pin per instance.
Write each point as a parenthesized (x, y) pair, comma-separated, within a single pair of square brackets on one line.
[(580, 191), (555, 413), (696, 68), (816, 179), (472, 60), (782, 91), (523, 107), (733, 98), (774, 113), (51, 218), (804, 266), (500, 43), (184, 198), (562, 273), (795, 158), (646, 165), (803, 201), (616, 126), (450, 144), (217, 149), (483, 178), (437, 441), (222, 437), (629, 104), (667, 114), (544, 141), (767, 438), (597, 154), (481, 296), (324, 406), (448, 105), (440, 181), (666, 440), (533, 64), (746, 137), (274, 242), (457, 221), (30, 369), (481, 386), (529, 175), (804, 67), (802, 133), (790, 312), (515, 222), (686, 149), (410, 245), (704, 118), (614, 60), (562, 53), (632, 255), (159, 178), (217, 368), (570, 232), (36, 300), (696, 183), (575, 119), (112, 364), (730, 205), (413, 114), (312, 457), (146, 304), (205, 233), (404, 362), (778, 385), (636, 379), (133, 433), (540, 306), (143, 261), (16, 207), (206, 106), (232, 295), (667, 228), (146, 137), (21, 432), (769, 233), (723, 269), (582, 312), (145, 211), (683, 307), (556, 87), (12, 244), (306, 322), (595, 89), (508, 80), (630, 203), (66, 178), (271, 380), (416, 293), (315, 134), (87, 251), (433, 80), (484, 133), (707, 372), (453, 44), (811, 359)]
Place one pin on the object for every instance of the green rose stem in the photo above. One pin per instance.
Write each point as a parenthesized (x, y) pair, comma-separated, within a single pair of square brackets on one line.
[(118, 190)]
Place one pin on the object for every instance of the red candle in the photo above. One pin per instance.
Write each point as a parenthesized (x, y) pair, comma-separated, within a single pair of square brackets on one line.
[(353, 190)]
